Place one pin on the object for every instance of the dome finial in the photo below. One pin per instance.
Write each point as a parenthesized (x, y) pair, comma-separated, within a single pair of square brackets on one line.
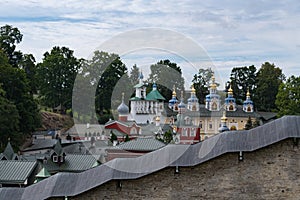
[(230, 90), (193, 89), (248, 93), (224, 118), (174, 91)]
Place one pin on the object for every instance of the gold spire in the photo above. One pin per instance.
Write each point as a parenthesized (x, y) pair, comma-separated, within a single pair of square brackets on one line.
[(193, 89), (230, 90), (248, 93), (224, 118), (174, 92), (213, 85)]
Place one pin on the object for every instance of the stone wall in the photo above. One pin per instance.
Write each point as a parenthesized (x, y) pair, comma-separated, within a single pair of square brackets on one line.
[(269, 173)]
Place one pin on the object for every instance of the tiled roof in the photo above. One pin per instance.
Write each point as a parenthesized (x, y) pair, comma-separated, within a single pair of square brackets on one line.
[(72, 163), (142, 144), (81, 129), (15, 172)]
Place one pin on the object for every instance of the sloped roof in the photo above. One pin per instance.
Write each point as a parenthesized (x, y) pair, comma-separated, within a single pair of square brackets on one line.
[(15, 172), (71, 184), (8, 153), (43, 173), (142, 144), (72, 163), (154, 95), (58, 149)]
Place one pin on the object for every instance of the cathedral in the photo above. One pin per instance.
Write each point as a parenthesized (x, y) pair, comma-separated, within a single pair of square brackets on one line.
[(191, 122)]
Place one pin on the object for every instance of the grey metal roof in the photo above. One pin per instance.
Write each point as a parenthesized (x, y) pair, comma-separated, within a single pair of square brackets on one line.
[(15, 172), (72, 163), (142, 144), (71, 184), (8, 153)]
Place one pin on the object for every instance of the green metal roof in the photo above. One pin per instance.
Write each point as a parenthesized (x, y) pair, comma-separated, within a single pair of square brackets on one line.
[(72, 163), (58, 149), (43, 173), (139, 85), (142, 144), (154, 95), (135, 99), (15, 171)]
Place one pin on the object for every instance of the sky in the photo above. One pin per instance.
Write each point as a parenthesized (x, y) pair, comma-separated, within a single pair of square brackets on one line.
[(229, 33)]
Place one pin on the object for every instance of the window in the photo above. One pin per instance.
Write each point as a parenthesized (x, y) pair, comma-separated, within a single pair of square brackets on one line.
[(210, 126), (184, 131), (133, 131), (200, 124), (55, 158), (193, 132)]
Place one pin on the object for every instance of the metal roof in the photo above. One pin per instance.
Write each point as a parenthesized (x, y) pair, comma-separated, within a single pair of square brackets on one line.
[(15, 172), (142, 144), (154, 95), (71, 184), (72, 163), (8, 153)]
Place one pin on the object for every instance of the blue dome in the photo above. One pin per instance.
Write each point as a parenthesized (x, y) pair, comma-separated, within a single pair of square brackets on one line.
[(223, 129), (193, 99), (173, 101), (123, 109), (181, 105), (230, 99)]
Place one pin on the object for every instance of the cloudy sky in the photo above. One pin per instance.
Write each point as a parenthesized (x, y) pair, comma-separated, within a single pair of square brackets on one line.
[(230, 33)]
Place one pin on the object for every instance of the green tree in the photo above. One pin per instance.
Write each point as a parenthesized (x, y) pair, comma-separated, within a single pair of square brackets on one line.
[(9, 37), (269, 78), (56, 75), (9, 122), (167, 75), (15, 85), (168, 137), (106, 70), (248, 124), (288, 97), (201, 83), (242, 79), (134, 75), (28, 65)]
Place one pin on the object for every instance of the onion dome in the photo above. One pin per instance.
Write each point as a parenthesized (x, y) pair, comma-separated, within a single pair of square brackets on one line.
[(193, 97), (223, 127), (181, 105), (248, 103), (123, 108), (230, 98), (141, 76), (213, 84), (174, 100)]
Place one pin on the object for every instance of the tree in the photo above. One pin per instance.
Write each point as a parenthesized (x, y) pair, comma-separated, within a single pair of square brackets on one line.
[(9, 37), (15, 85), (56, 75), (9, 122), (201, 83), (269, 78), (134, 75), (168, 137), (106, 70), (242, 79), (167, 75), (28, 65), (288, 97), (127, 138), (249, 124)]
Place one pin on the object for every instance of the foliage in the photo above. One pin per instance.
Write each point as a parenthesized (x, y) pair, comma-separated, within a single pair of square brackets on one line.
[(127, 138), (113, 137), (242, 79), (167, 75), (9, 121), (201, 83), (248, 124), (168, 137), (288, 97), (57, 74), (15, 85), (269, 78), (134, 75), (9, 37)]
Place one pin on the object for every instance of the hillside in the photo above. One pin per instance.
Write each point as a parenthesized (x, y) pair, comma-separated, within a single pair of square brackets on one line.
[(52, 120)]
